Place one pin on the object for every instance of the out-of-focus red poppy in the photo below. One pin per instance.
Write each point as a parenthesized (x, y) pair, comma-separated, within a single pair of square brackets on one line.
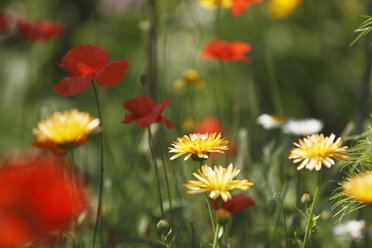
[(236, 204), (239, 6), (208, 125), (143, 111), (4, 25), (38, 197), (226, 51), (40, 31), (86, 63)]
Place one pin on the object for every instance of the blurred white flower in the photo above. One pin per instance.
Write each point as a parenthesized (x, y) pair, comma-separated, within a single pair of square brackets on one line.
[(302, 126), (352, 229), (271, 121)]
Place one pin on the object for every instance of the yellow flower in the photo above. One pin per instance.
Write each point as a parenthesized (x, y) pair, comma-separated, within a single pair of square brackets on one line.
[(279, 9), (211, 4), (64, 130), (217, 182), (316, 150), (359, 187), (198, 145), (189, 79)]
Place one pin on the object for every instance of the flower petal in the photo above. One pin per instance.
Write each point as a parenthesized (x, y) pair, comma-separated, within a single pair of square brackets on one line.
[(70, 86), (166, 122), (112, 73), (235, 204), (140, 106), (146, 120), (84, 59)]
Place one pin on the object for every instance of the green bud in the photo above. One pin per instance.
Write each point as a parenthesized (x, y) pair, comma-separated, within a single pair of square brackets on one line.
[(163, 227), (306, 198), (223, 217)]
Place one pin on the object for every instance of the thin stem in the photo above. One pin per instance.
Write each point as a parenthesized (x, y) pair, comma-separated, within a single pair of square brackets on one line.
[(310, 220), (275, 94), (215, 240), (152, 51), (210, 212), (168, 188), (100, 152), (155, 163)]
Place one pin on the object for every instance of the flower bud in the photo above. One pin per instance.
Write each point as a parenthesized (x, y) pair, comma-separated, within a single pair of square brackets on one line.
[(144, 78), (306, 198), (163, 227), (223, 217)]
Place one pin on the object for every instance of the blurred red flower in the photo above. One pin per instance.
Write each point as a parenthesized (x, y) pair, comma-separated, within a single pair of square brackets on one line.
[(143, 111), (40, 31), (208, 125), (226, 51), (236, 204), (38, 197), (4, 25), (86, 63), (239, 6)]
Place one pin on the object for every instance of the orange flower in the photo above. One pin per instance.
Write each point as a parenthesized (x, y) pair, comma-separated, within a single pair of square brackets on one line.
[(239, 6), (226, 51)]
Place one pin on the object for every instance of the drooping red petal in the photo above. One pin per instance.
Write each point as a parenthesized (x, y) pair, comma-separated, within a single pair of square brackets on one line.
[(40, 31), (84, 59), (238, 49), (111, 73), (239, 6), (4, 26), (140, 106), (70, 86), (212, 50), (128, 118), (226, 51), (159, 108), (166, 122), (235, 204), (147, 120)]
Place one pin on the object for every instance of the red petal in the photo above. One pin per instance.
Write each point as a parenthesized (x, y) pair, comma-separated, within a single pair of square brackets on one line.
[(73, 85), (159, 108), (140, 106), (166, 122), (112, 73), (239, 6), (14, 231), (235, 204), (209, 125), (84, 59), (4, 26), (128, 118), (40, 31), (146, 120)]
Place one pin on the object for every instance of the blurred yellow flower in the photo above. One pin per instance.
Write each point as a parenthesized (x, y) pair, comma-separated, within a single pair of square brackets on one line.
[(316, 150), (190, 79), (211, 4), (359, 187), (279, 9), (64, 130), (188, 124), (198, 146), (217, 182)]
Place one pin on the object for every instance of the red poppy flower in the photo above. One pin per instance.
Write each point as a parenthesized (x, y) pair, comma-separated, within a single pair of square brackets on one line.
[(38, 197), (226, 51), (236, 204), (4, 25), (239, 6), (40, 31), (143, 111), (86, 63), (208, 125)]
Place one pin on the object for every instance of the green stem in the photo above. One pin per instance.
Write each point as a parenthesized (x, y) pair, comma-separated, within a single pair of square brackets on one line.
[(155, 163), (168, 188), (100, 152), (215, 240), (310, 219), (210, 212)]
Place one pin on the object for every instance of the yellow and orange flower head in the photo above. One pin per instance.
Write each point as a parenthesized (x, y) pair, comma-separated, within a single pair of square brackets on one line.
[(359, 187), (316, 150), (190, 79), (211, 4), (280, 9), (64, 130), (217, 182), (198, 146)]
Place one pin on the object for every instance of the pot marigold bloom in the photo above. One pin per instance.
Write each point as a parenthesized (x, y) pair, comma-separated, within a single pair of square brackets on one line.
[(64, 130), (226, 51), (37, 200), (238, 6), (236, 204), (190, 79), (359, 187), (143, 111), (198, 146), (279, 9), (212, 4), (86, 63), (40, 31), (317, 150), (217, 182)]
